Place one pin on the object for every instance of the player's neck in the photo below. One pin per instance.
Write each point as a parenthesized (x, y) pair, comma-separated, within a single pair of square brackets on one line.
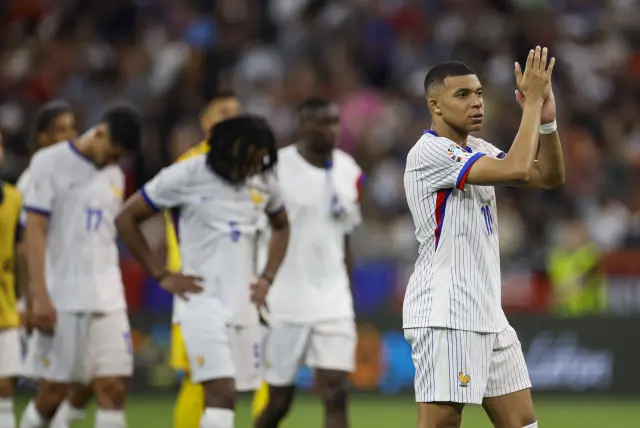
[(445, 131), (317, 159)]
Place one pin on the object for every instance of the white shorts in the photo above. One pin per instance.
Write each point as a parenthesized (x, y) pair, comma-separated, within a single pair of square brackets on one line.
[(10, 353), (83, 347), (218, 351), (463, 366), (329, 345)]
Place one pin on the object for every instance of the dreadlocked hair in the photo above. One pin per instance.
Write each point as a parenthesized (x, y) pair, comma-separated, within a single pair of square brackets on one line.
[(233, 146)]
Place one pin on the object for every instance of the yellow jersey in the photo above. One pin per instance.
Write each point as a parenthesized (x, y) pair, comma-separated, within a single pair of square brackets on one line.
[(10, 206), (174, 263)]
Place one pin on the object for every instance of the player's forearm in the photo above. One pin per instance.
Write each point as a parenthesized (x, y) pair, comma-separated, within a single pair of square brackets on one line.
[(131, 234), (277, 250), (523, 150), (22, 270), (36, 248), (551, 160)]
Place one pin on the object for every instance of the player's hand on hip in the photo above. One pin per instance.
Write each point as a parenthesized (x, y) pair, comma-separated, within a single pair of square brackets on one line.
[(180, 284), (44, 315), (259, 289), (535, 82)]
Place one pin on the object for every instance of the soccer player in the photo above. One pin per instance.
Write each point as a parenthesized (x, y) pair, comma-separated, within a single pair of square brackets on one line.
[(220, 197), (54, 123), (464, 350), (311, 317), (190, 402), (10, 358), (79, 311)]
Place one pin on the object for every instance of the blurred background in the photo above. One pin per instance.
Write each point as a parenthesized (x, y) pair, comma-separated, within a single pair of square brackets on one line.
[(570, 258)]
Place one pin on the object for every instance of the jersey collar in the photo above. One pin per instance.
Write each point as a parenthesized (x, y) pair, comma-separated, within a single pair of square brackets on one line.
[(434, 133)]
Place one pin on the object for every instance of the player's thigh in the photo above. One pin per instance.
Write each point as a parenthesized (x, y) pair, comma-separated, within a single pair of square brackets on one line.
[(10, 358), (109, 353), (60, 357), (508, 396), (332, 346), (246, 351), (208, 343), (451, 366), (178, 359), (283, 350)]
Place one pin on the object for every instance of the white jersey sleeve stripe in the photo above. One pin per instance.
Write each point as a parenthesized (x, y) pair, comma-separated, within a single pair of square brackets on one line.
[(36, 210), (462, 177), (148, 200), (440, 210)]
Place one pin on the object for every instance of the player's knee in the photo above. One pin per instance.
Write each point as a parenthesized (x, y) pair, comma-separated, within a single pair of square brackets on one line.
[(335, 393), (110, 393), (6, 388), (280, 401), (50, 395), (220, 393), (80, 395)]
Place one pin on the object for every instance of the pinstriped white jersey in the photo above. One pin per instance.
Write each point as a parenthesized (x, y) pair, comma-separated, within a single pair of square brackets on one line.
[(456, 280)]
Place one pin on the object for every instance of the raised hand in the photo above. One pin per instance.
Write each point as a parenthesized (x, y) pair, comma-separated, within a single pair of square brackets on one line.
[(181, 284), (535, 82)]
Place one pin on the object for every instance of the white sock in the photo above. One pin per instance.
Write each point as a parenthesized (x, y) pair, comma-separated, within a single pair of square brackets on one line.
[(110, 419), (214, 417), (533, 425), (65, 415), (7, 419), (31, 418)]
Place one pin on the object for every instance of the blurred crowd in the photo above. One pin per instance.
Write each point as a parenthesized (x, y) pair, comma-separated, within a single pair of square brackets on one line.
[(168, 56)]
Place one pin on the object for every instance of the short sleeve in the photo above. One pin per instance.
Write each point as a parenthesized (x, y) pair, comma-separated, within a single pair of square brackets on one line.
[(445, 163), (275, 203), (40, 192), (168, 188), (492, 150)]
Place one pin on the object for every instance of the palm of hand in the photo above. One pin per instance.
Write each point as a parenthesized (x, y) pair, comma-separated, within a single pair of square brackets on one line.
[(548, 111)]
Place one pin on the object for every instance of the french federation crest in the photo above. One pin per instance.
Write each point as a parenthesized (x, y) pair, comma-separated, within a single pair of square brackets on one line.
[(455, 153)]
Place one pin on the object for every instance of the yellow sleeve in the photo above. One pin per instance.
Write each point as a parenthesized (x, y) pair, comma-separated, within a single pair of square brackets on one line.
[(174, 263)]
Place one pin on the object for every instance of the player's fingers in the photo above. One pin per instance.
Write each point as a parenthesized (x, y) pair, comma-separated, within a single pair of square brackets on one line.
[(194, 278), (543, 59), (552, 62), (529, 65), (182, 295), (194, 288), (518, 72), (536, 58)]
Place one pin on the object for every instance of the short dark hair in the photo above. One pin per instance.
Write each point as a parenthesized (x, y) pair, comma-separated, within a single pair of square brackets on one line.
[(437, 74), (311, 103), (230, 144), (125, 125), (49, 112)]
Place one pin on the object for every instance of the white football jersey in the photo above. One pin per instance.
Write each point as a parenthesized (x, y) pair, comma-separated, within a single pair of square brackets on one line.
[(456, 279), (216, 227), (82, 201), (323, 207)]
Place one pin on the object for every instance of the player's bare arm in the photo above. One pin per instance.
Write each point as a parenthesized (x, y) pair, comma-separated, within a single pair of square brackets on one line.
[(278, 243), (135, 211), (548, 171), (44, 314), (516, 167), (348, 259)]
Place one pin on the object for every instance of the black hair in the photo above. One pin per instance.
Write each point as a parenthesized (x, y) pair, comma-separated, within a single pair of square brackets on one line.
[(45, 116), (125, 126), (312, 103), (231, 141), (437, 74)]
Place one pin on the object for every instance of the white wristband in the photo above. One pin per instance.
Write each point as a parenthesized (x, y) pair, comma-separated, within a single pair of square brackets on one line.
[(549, 128)]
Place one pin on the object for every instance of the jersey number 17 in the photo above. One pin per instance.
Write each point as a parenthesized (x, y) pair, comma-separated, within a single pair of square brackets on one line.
[(94, 219)]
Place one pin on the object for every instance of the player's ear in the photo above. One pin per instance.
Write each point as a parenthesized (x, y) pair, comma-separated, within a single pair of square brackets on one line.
[(434, 106)]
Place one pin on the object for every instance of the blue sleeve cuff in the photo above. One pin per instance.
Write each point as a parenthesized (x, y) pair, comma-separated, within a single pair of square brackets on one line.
[(462, 176), (276, 211), (37, 210), (148, 200)]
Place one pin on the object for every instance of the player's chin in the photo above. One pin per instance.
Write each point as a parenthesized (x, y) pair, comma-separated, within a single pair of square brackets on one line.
[(475, 125)]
